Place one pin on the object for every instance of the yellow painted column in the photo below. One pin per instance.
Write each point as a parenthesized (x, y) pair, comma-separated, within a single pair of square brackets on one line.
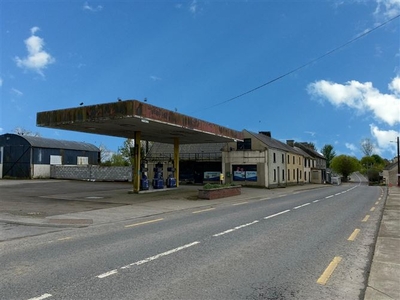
[(176, 160), (136, 163)]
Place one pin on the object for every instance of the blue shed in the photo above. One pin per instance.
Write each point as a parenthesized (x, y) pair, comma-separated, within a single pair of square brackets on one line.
[(30, 156)]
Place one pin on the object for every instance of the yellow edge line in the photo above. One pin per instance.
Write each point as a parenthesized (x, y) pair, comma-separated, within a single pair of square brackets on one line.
[(143, 223), (353, 236), (199, 211), (329, 270), (372, 209), (240, 203), (365, 219)]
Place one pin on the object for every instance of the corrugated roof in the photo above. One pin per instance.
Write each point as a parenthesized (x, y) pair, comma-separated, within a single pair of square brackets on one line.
[(40, 142)]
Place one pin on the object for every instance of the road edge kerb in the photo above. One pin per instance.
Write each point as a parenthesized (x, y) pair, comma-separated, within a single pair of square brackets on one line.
[(370, 292)]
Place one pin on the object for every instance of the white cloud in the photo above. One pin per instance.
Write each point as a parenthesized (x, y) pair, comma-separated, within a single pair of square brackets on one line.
[(362, 97), (34, 30), (312, 133), (37, 59), (387, 9), (351, 147), (86, 6), (386, 139), (16, 92), (193, 7), (394, 86), (155, 78), (1, 82)]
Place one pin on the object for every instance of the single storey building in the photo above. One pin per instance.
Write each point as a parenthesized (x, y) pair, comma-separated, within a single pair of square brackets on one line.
[(23, 156)]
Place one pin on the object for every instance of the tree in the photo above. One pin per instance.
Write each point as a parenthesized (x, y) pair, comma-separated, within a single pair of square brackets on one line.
[(116, 160), (328, 153), (23, 131), (310, 145), (367, 147), (125, 151), (345, 165), (105, 153), (124, 157), (378, 160), (372, 166)]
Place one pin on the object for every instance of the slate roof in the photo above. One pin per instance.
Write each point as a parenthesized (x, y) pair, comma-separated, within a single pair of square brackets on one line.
[(302, 152), (391, 166), (310, 151), (273, 143)]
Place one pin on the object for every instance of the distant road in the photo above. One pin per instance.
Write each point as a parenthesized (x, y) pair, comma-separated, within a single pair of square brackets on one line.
[(310, 245)]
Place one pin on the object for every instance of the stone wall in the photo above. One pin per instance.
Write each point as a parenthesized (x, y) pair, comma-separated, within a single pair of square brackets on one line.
[(91, 172)]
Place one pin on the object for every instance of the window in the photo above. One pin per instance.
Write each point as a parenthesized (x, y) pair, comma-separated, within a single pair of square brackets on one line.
[(288, 175), (274, 158), (245, 145), (288, 159), (305, 176), (294, 174), (294, 160), (283, 158), (300, 161), (300, 174), (283, 175), (274, 175)]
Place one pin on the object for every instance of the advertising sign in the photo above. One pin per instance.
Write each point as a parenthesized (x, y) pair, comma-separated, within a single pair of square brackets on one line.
[(211, 176), (244, 172)]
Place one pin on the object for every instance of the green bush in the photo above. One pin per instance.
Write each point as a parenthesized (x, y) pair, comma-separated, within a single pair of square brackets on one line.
[(210, 186)]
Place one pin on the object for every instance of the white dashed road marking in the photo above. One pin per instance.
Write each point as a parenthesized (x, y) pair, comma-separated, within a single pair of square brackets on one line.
[(277, 214), (44, 296), (236, 228), (107, 274), (151, 258)]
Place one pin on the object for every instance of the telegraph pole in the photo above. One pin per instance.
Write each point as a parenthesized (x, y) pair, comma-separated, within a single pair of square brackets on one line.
[(398, 163)]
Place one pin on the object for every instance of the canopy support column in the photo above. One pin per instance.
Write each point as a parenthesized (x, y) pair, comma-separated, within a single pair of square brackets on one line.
[(136, 163), (176, 160)]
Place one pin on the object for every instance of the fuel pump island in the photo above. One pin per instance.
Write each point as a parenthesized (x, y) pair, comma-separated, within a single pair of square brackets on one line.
[(158, 180)]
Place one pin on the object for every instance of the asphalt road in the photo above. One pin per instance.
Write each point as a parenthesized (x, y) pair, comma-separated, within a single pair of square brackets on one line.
[(312, 245)]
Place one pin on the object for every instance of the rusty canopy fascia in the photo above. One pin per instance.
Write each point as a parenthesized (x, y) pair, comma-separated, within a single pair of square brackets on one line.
[(124, 118)]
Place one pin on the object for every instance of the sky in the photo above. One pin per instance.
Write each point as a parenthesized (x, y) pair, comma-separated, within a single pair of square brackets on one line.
[(319, 71)]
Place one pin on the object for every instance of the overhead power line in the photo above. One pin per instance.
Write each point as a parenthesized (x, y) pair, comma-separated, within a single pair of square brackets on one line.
[(306, 64)]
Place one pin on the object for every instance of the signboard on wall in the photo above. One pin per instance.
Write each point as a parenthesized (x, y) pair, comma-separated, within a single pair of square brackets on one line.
[(244, 172), (211, 176)]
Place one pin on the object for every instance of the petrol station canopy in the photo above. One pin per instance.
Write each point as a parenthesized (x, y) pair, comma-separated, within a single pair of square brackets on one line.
[(124, 118)]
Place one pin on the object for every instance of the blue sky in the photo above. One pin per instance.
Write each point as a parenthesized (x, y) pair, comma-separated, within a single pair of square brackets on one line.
[(195, 56)]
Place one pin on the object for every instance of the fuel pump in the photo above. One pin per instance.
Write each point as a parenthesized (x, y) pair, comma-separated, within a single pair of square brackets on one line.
[(158, 181), (171, 180), (144, 181)]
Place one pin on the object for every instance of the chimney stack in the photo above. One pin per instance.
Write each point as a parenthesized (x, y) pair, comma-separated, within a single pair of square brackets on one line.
[(267, 133)]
